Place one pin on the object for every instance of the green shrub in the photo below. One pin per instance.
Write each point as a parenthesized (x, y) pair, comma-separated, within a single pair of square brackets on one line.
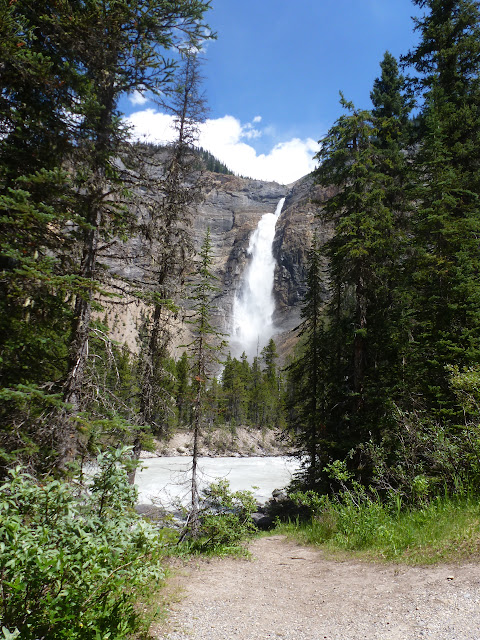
[(225, 517), (72, 560)]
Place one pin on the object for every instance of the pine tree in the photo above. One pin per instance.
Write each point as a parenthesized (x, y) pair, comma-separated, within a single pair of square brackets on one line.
[(271, 384), (390, 305), (447, 60), (446, 222), (36, 207), (172, 198), (362, 156), (120, 46), (64, 68), (204, 353), (356, 254), (307, 383), (183, 389), (255, 394), (234, 392)]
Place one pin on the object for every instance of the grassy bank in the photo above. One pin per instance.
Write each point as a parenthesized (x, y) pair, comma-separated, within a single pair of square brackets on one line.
[(447, 529)]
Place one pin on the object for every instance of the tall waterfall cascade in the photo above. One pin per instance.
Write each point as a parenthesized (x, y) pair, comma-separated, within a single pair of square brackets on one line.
[(254, 305)]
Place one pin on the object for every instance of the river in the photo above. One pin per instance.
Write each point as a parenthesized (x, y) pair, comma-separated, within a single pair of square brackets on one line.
[(166, 480)]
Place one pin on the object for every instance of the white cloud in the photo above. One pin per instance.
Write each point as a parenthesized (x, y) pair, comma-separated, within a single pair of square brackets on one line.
[(257, 119), (137, 98), (226, 138), (249, 131), (151, 126)]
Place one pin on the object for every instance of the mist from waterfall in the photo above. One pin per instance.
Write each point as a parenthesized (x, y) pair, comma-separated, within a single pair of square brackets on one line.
[(253, 305)]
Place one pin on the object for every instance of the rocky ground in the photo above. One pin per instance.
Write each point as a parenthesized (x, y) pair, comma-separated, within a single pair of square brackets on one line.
[(222, 442), (290, 592)]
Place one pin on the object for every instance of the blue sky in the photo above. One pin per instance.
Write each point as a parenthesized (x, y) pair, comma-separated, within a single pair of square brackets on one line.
[(272, 77)]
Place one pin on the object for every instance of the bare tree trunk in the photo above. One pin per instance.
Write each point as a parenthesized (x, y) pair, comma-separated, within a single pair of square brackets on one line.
[(195, 502), (359, 341), (67, 432)]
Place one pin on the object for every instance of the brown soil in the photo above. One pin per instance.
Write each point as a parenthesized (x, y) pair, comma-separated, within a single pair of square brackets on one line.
[(290, 592)]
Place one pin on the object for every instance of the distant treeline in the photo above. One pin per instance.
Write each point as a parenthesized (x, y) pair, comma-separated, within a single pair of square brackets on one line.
[(207, 160), (212, 163)]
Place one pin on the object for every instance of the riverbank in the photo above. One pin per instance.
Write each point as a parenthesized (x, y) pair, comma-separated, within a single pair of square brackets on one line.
[(240, 442)]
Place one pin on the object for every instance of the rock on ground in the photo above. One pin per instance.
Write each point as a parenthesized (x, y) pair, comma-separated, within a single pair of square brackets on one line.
[(291, 592)]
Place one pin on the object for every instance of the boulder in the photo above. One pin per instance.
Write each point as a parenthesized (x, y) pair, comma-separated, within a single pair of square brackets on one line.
[(262, 521)]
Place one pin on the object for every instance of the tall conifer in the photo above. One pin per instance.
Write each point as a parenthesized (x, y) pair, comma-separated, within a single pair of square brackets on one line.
[(446, 222), (307, 379), (204, 353)]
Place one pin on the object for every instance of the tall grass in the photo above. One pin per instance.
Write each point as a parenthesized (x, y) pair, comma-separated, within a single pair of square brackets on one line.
[(445, 529)]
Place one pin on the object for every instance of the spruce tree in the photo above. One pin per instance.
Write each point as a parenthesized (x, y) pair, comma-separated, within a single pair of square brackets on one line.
[(234, 392), (255, 394), (171, 199), (357, 255), (390, 307), (204, 352), (307, 383), (272, 387), (66, 184), (446, 222), (182, 391), (363, 156), (36, 209), (120, 47)]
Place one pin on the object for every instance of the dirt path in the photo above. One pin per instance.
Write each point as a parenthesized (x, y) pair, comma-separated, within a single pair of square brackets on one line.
[(291, 592)]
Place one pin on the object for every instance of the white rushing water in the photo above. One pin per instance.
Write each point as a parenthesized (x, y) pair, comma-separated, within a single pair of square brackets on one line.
[(165, 480), (253, 305)]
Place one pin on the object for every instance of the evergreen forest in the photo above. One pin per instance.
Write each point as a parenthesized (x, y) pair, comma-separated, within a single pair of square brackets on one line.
[(381, 397), (387, 378)]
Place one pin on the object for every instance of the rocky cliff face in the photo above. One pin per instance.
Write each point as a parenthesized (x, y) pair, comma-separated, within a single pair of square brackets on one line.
[(232, 208), (293, 239)]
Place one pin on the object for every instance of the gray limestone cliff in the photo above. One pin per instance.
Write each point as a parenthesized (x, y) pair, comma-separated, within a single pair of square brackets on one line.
[(232, 208)]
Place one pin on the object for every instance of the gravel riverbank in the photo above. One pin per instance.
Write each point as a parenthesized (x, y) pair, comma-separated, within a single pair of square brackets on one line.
[(241, 442)]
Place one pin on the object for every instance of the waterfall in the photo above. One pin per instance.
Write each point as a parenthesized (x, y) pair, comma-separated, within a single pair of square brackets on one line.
[(253, 305)]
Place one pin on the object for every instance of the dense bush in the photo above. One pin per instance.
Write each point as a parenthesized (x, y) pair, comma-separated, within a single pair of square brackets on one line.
[(72, 560), (225, 518)]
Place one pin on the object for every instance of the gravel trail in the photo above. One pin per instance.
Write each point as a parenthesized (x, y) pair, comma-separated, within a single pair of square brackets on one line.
[(291, 592)]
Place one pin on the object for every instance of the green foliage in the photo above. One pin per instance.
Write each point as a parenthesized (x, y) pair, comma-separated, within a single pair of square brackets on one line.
[(444, 529), (67, 203), (204, 352), (306, 391), (225, 518), (402, 319), (211, 163), (251, 394), (358, 322), (73, 562), (446, 219)]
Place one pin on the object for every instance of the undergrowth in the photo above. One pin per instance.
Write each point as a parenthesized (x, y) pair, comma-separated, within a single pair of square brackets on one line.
[(75, 560), (225, 523), (446, 528)]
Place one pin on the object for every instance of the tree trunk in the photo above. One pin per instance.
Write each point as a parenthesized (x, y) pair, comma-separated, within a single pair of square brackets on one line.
[(359, 346), (72, 395)]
